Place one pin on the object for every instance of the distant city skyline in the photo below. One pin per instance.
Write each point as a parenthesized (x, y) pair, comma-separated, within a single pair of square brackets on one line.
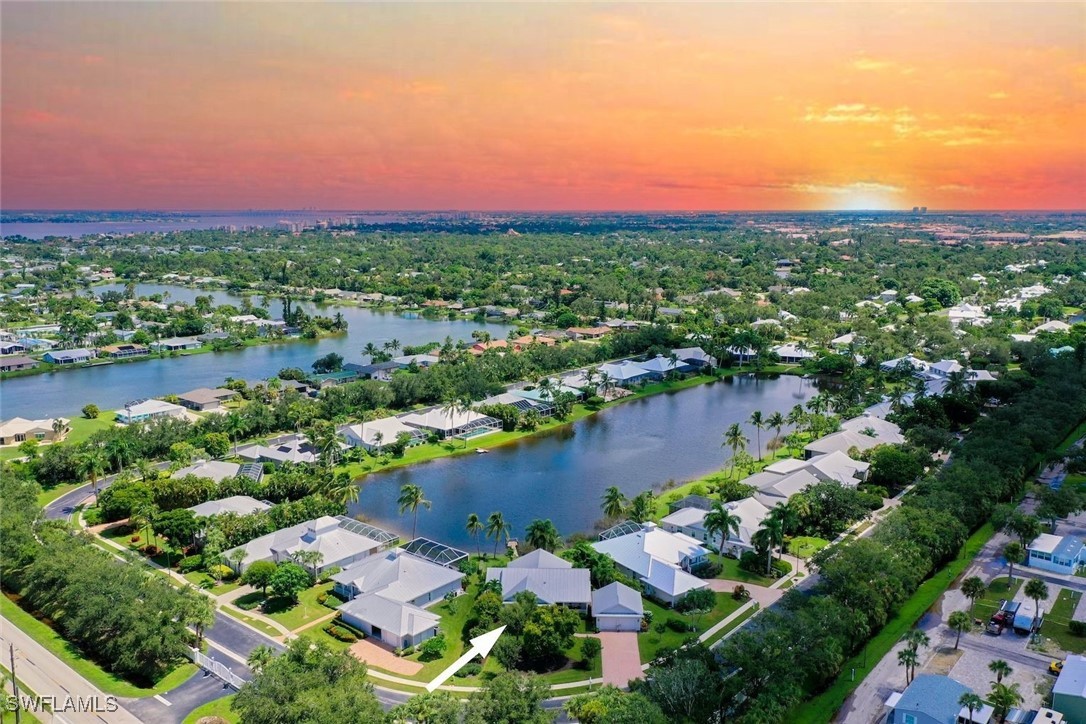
[(543, 107)]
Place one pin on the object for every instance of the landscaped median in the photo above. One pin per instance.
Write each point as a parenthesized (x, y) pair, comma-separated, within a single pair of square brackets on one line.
[(92, 672)]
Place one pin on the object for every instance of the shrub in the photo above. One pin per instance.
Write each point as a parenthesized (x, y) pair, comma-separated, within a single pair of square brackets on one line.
[(647, 616), (740, 593), (339, 633), (408, 651), (469, 669), (701, 599), (151, 551), (677, 624), (221, 572), (781, 568), (660, 626), (90, 411), (135, 539), (327, 573), (433, 647), (188, 564), (1077, 628), (594, 401), (753, 562), (710, 569)]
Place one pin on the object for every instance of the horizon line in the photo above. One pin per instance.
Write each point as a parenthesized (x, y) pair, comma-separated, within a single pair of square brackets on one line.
[(904, 210)]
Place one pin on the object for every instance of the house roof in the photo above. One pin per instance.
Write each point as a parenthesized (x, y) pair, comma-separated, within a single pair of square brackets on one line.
[(1072, 679), (149, 407), (933, 696), (837, 466), (686, 517), (842, 441), (397, 575), (622, 371), (1063, 546), (17, 361), (326, 534), (217, 470), (389, 427), (239, 504), (70, 353), (689, 353), (663, 364), (23, 426), (886, 432), (550, 585), (648, 549), (206, 395), (442, 419), (616, 599), (396, 617), (539, 558), (787, 486)]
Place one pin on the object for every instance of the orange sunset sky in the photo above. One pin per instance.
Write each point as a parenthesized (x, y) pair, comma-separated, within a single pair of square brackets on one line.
[(543, 106)]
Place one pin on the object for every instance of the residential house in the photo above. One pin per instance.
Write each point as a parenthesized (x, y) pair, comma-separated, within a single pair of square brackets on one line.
[(617, 607), (661, 560), (691, 522), (1069, 693), (341, 541), (219, 470), (933, 699), (69, 356), (659, 367), (376, 434), (479, 348), (588, 332), (694, 356), (11, 348), (204, 398), (284, 449), (332, 379), (148, 410), (552, 580), (177, 344), (529, 339), (453, 423), (124, 351), (18, 430), (626, 373), (888, 295), (14, 364), (841, 441), (387, 596), (236, 504), (1053, 326), (1059, 554), (517, 399), (792, 354), (375, 370), (419, 360), (886, 432)]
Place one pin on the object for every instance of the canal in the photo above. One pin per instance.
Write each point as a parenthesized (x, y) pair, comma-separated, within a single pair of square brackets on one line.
[(561, 474), (109, 387)]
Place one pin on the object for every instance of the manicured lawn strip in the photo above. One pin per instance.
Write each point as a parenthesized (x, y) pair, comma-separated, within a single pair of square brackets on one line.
[(219, 707), (206, 582), (8, 717), (823, 707), (254, 622), (92, 672), (998, 590), (307, 610), (82, 428), (739, 621), (454, 615), (48, 496), (732, 572), (1057, 620), (806, 546), (650, 642)]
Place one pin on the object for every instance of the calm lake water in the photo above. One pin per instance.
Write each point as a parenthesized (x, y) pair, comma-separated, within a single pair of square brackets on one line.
[(562, 474), (111, 386)]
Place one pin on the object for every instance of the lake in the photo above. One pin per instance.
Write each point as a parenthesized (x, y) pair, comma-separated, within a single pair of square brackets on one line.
[(562, 474), (109, 387)]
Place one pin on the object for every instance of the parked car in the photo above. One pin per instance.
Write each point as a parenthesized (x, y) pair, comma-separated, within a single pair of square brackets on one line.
[(1055, 667)]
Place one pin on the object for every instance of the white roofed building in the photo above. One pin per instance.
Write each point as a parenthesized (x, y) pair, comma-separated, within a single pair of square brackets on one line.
[(659, 559)]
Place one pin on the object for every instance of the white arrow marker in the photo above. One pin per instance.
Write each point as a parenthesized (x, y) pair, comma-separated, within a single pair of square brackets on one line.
[(480, 646)]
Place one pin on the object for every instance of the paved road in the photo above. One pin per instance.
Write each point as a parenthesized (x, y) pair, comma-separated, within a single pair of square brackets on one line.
[(65, 505), (47, 675), (173, 706)]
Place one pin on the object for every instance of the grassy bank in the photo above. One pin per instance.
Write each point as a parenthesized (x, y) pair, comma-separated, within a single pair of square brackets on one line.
[(218, 708), (89, 670), (823, 707)]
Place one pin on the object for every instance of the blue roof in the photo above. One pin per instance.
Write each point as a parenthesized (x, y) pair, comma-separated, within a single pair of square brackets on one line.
[(933, 696), (1069, 547)]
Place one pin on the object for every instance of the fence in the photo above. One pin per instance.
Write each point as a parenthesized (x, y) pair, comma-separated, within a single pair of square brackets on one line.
[(217, 668)]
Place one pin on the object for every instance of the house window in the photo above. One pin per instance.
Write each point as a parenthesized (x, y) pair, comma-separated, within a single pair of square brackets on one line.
[(39, 435), (20, 437), (908, 719)]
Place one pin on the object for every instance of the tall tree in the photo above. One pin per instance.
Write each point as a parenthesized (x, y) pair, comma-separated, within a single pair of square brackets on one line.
[(496, 527), (736, 440), (1013, 553), (411, 497), (542, 534), (474, 528), (973, 588), (721, 520), (1000, 668), (614, 502), (959, 622), (758, 421)]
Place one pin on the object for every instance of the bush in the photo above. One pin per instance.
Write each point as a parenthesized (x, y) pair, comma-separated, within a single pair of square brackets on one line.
[(135, 539), (327, 573), (677, 624), (433, 647), (339, 633), (659, 626), (740, 593), (710, 569), (594, 401), (752, 562), (469, 669), (701, 599), (90, 411), (781, 568), (221, 572), (1077, 628), (188, 564), (151, 551)]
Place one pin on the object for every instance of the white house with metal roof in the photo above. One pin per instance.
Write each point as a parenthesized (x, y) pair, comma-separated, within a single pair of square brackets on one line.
[(1059, 554), (447, 423), (376, 434), (691, 522), (551, 579), (341, 541), (617, 607), (659, 559), (148, 410), (236, 504)]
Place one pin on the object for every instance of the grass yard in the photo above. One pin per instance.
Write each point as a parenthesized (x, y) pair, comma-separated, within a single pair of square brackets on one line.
[(732, 572), (998, 590), (652, 641), (8, 717), (823, 707), (92, 672), (206, 582), (219, 707), (1077, 434), (1057, 620), (305, 611), (806, 546), (47, 496), (253, 621)]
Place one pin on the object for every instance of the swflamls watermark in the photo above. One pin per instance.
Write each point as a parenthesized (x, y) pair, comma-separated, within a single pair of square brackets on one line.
[(87, 704)]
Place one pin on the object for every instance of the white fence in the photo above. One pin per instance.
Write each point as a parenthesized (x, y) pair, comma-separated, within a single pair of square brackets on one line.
[(217, 668)]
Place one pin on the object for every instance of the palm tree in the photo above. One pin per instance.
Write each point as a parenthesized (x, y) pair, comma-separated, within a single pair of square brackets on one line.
[(308, 559), (411, 497), (198, 611), (1000, 668), (796, 416), (542, 534), (908, 658), (370, 350), (93, 463), (956, 384), (735, 439), (614, 502), (340, 489), (972, 702), (758, 421), (959, 621), (771, 534), (1014, 553), (973, 588), (776, 423), (260, 657), (915, 638), (235, 425), (721, 520), (455, 406), (394, 344), (1003, 698), (496, 527), (642, 506), (143, 517), (474, 528), (1038, 591)]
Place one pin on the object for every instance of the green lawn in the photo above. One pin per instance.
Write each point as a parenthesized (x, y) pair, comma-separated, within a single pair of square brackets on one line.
[(1057, 619), (1076, 434), (92, 672), (652, 641), (82, 428), (8, 717), (823, 707), (48, 495), (806, 546), (998, 590), (305, 611), (206, 582), (219, 707), (732, 572), (253, 621)]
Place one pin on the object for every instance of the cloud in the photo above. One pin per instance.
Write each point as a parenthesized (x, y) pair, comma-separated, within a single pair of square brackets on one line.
[(728, 132), (873, 65), (999, 96), (845, 113), (957, 189), (852, 188)]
